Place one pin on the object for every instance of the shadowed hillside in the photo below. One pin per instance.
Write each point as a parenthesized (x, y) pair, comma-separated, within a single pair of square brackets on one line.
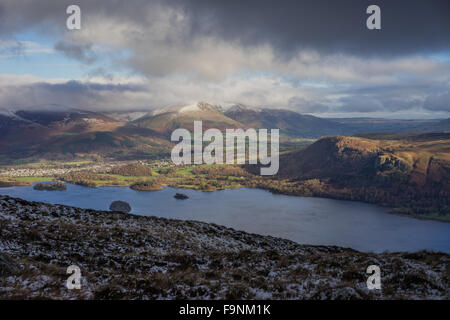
[(290, 123), (59, 133), (358, 125), (409, 172), (68, 134)]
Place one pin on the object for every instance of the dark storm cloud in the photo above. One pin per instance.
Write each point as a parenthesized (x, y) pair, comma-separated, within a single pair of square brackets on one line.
[(303, 105), (408, 26), (73, 94), (438, 102), (17, 15), (77, 87)]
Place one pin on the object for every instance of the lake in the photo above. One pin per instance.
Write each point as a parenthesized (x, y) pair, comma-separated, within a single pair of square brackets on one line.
[(315, 221)]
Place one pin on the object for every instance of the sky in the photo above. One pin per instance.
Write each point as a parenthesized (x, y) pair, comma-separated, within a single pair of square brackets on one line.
[(315, 57)]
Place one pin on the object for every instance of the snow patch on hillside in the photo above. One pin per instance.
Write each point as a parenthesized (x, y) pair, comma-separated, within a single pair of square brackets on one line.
[(189, 108)]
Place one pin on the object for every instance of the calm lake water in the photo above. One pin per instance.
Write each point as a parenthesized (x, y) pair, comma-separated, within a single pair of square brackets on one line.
[(313, 221)]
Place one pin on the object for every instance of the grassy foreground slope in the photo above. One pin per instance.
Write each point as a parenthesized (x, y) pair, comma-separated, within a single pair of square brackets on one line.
[(409, 172), (123, 256)]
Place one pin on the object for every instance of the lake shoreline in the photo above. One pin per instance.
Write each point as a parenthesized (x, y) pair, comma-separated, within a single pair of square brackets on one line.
[(391, 210), (309, 220)]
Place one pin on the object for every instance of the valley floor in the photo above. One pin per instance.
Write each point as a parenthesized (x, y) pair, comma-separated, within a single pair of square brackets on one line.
[(124, 256)]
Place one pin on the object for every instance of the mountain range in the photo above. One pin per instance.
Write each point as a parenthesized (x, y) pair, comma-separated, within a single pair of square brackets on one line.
[(68, 134), (63, 133), (291, 124)]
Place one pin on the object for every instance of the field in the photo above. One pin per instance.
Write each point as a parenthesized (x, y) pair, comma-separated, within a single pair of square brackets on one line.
[(200, 177)]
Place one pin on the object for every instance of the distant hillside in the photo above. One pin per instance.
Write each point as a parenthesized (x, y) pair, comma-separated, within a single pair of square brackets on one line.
[(375, 125), (168, 119), (333, 157), (73, 118), (55, 132), (120, 144), (410, 172), (290, 123), (126, 115), (50, 123), (441, 126), (73, 133), (19, 129)]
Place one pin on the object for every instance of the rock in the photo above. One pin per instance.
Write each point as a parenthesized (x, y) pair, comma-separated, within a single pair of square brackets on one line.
[(120, 206), (181, 196), (8, 266)]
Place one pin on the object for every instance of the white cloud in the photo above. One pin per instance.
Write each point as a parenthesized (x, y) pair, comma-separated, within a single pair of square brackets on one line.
[(139, 93), (160, 49), (162, 43)]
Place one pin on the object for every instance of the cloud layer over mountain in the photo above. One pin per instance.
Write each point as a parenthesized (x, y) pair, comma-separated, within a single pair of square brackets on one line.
[(315, 57)]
